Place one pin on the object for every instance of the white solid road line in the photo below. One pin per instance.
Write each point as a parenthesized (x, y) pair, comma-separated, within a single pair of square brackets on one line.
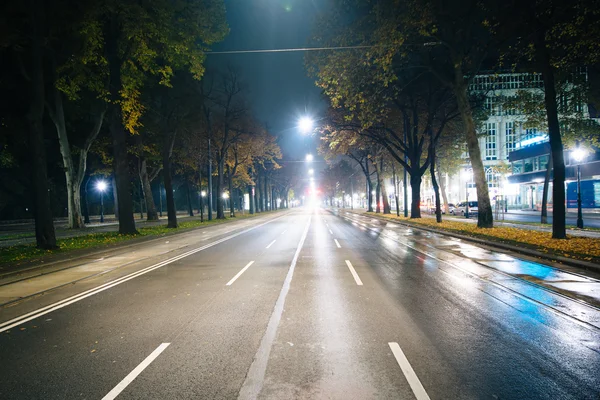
[(133, 374), (73, 299), (239, 273), (256, 374), (271, 244), (353, 272), (409, 373), (337, 243)]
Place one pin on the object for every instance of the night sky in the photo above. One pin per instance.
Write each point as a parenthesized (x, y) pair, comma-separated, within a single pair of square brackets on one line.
[(278, 88)]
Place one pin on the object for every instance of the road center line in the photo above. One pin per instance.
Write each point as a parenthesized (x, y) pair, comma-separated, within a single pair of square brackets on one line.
[(409, 373), (239, 273), (256, 374), (330, 231), (271, 244), (90, 292), (353, 272), (133, 374), (337, 243)]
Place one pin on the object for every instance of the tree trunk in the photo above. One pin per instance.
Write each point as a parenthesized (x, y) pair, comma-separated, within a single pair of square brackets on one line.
[(86, 211), (544, 219), (115, 196), (220, 187), (264, 195), (369, 187), (378, 192), (386, 203), (44, 224), (396, 189), (58, 118), (556, 146), (485, 216), (124, 201), (415, 186), (151, 213), (434, 183), (442, 183), (171, 211), (251, 199), (231, 195), (189, 198)]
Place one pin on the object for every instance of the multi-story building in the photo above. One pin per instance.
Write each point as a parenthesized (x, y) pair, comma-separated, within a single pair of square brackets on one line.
[(514, 156)]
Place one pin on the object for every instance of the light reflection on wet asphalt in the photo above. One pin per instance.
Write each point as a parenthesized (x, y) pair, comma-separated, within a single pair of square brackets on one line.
[(571, 295)]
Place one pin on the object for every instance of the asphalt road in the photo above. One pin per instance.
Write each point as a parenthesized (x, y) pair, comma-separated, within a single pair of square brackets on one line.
[(311, 304)]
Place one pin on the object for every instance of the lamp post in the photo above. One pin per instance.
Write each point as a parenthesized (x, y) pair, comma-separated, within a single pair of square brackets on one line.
[(101, 185), (579, 154)]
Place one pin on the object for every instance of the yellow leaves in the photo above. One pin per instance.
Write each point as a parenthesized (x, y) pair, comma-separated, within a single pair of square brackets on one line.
[(574, 247)]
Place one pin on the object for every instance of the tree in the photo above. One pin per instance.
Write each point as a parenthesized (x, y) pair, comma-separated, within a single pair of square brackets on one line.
[(574, 93), (226, 112), (27, 28), (134, 41), (335, 143), (449, 39), (554, 38), (448, 162)]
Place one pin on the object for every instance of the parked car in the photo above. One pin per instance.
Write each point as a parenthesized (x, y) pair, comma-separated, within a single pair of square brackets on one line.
[(451, 208), (461, 208)]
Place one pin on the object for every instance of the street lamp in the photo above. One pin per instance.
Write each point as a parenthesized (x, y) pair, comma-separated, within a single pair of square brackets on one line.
[(305, 124), (579, 154), (309, 158), (101, 186), (311, 171)]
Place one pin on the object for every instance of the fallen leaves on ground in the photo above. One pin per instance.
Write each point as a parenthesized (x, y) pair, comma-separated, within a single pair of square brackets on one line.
[(584, 248)]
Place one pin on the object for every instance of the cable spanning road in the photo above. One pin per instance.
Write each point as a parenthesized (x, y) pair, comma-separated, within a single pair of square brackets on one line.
[(309, 304)]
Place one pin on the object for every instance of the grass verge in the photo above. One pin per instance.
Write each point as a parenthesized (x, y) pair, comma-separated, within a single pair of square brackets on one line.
[(15, 255), (579, 248)]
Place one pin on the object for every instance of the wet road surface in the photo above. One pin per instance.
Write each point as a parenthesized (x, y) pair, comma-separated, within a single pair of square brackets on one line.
[(311, 304)]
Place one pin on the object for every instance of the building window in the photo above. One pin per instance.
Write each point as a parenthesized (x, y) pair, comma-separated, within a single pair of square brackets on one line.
[(491, 176), (517, 167), (511, 137), (492, 106), (490, 141)]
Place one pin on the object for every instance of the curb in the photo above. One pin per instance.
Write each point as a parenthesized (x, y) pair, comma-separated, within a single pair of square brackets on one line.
[(528, 252)]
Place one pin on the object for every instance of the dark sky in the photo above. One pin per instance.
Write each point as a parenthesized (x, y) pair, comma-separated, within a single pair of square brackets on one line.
[(278, 88)]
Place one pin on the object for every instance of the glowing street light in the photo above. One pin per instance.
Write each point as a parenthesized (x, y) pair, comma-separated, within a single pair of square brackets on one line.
[(305, 124), (101, 186), (311, 171), (309, 158)]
